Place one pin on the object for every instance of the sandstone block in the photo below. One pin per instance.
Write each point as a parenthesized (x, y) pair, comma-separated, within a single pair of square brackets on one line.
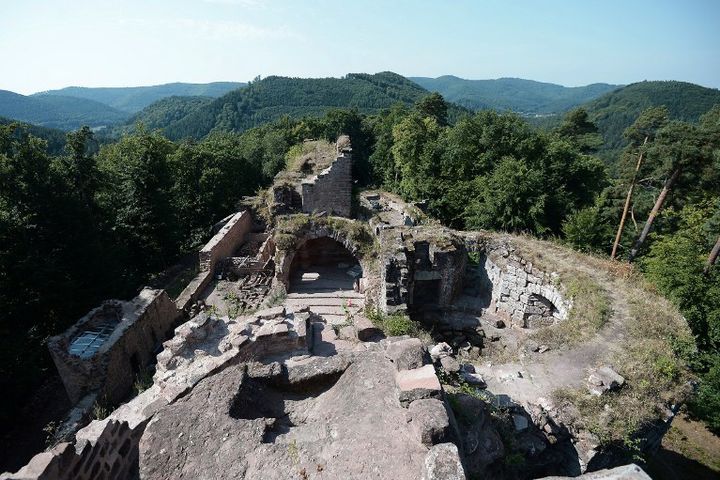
[(365, 328), (443, 463), (449, 364), (406, 354), (430, 421), (418, 383)]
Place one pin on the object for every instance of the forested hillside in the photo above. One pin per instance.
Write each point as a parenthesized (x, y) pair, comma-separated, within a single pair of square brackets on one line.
[(512, 94), (617, 110), (55, 138), (134, 99), (65, 113), (271, 98), (166, 111)]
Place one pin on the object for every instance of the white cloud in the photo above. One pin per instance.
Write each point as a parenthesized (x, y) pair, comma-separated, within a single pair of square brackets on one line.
[(217, 29)]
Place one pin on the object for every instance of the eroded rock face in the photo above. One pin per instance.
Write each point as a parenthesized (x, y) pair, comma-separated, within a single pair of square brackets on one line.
[(301, 420)]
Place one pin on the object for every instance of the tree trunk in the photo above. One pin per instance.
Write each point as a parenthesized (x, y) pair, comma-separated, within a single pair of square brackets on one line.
[(656, 209), (713, 256), (627, 205)]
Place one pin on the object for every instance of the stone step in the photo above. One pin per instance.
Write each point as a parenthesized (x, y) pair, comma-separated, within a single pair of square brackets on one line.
[(327, 294), (323, 283), (334, 309), (334, 301), (335, 319)]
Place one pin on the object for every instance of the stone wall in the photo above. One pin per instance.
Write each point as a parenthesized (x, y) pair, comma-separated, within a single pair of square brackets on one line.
[(331, 190), (226, 241), (142, 324), (529, 297), (223, 244), (420, 268), (108, 449)]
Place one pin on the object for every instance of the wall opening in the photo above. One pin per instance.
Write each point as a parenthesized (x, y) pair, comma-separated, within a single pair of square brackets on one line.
[(539, 312), (324, 264), (426, 292)]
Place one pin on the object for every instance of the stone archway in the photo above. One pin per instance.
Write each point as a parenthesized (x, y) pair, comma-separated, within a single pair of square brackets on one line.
[(323, 264), (325, 267), (285, 257)]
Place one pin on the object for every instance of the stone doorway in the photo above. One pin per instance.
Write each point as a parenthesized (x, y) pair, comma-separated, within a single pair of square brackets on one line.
[(325, 276)]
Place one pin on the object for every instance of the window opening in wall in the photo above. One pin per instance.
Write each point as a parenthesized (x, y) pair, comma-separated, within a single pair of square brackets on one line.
[(88, 342)]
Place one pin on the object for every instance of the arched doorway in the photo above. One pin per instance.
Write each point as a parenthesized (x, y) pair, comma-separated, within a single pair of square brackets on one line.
[(325, 276), (324, 264)]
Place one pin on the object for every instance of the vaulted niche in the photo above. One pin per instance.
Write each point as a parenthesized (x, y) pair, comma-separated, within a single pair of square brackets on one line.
[(323, 264)]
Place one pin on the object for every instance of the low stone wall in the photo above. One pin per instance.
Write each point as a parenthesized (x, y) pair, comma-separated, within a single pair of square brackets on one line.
[(193, 291), (226, 241), (331, 190), (108, 449), (528, 296), (108, 452), (142, 324)]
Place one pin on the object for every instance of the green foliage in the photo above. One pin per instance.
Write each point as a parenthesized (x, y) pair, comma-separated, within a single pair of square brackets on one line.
[(585, 230), (706, 403), (397, 324), (614, 112)]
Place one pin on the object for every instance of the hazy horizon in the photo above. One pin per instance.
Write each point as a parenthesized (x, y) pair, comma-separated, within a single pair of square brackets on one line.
[(44, 45)]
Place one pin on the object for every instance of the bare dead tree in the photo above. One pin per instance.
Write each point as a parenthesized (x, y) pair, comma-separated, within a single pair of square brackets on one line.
[(621, 227), (712, 258), (669, 183)]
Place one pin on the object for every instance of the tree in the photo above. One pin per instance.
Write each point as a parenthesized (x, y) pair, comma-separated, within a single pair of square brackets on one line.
[(678, 146), (137, 199), (580, 130), (414, 153), (712, 258), (433, 106), (642, 130), (512, 198)]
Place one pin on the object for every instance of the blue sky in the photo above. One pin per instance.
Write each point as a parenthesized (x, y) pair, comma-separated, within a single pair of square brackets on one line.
[(47, 44)]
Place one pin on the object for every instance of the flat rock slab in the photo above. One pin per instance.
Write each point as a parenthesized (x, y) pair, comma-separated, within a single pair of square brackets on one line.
[(625, 472), (418, 383), (232, 426)]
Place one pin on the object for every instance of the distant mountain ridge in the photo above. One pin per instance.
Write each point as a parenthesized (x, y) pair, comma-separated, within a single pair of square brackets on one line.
[(57, 111), (273, 97), (514, 94), (134, 99)]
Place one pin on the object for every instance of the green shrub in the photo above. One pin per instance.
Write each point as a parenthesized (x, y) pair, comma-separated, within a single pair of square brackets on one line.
[(398, 324)]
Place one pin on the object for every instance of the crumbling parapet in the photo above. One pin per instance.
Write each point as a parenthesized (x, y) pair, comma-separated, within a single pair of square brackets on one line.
[(331, 190), (105, 349), (527, 295), (421, 268), (319, 183), (226, 241)]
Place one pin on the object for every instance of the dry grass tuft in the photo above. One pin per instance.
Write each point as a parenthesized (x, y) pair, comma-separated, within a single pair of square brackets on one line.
[(590, 312)]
